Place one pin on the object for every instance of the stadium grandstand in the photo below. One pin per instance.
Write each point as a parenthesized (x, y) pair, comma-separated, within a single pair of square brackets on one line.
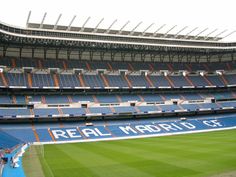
[(61, 84)]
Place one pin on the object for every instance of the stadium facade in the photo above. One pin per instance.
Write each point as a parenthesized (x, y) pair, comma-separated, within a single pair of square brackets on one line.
[(91, 84)]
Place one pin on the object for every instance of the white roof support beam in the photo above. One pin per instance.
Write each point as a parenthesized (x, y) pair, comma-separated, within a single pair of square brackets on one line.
[(58, 19), (121, 29), (44, 16), (180, 31), (207, 36), (72, 20), (155, 33), (227, 35), (190, 32), (215, 37), (169, 31), (144, 32), (86, 21), (198, 35), (109, 28), (28, 18), (132, 31), (96, 28)]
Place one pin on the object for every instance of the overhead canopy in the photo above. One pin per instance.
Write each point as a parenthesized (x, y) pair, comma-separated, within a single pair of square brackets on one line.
[(159, 33)]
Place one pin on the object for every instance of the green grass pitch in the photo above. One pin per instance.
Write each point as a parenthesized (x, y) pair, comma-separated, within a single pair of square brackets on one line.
[(193, 155)]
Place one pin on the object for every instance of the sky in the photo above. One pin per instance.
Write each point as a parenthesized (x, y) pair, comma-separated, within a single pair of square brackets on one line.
[(211, 14)]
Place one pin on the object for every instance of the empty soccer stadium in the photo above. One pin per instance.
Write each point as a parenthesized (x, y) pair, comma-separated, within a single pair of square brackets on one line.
[(94, 102)]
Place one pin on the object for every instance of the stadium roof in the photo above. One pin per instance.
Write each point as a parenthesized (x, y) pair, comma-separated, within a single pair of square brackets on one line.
[(156, 34)]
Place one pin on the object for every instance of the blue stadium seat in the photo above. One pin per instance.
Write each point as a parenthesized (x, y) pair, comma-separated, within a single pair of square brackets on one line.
[(116, 81), (16, 79), (68, 80), (74, 111), (231, 78), (138, 81), (103, 110), (216, 80), (14, 111), (45, 112), (7, 141), (198, 81), (179, 81), (159, 81), (94, 81), (42, 80)]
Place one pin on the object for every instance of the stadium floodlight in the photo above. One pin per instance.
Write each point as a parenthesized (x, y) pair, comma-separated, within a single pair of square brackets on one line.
[(44, 16), (169, 30), (207, 36), (86, 21), (180, 31), (215, 37), (28, 18), (109, 28), (227, 35), (72, 20), (190, 32), (58, 19), (144, 32), (132, 31), (120, 31), (155, 33), (198, 35), (96, 28)]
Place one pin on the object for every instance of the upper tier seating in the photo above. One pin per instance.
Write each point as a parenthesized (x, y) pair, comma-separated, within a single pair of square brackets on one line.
[(231, 78), (160, 81), (117, 81), (94, 81), (70, 80), (42, 80), (22, 73), (138, 81), (33, 80), (199, 81), (179, 81), (215, 80), (18, 79), (93, 65)]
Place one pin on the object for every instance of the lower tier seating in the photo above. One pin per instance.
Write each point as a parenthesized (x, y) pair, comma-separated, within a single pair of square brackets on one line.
[(110, 98), (55, 132)]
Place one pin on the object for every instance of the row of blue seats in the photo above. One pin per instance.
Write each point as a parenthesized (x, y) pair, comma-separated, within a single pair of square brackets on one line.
[(120, 81), (50, 112), (7, 141), (93, 65), (65, 99)]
